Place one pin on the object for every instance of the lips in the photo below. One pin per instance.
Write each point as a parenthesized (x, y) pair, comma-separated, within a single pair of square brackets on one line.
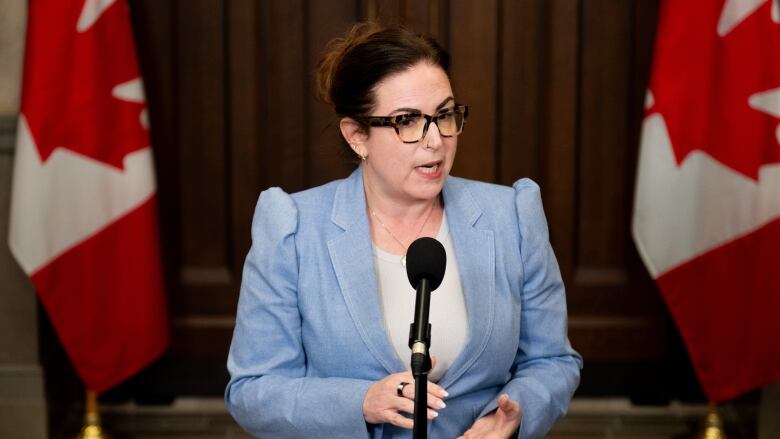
[(429, 168)]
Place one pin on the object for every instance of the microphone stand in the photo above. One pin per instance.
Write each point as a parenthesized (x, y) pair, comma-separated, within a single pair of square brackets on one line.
[(420, 342), (420, 406)]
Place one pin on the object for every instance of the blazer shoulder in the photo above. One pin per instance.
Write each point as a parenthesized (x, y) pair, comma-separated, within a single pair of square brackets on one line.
[(275, 216), (489, 196), (481, 188), (530, 210), (315, 204), (317, 196)]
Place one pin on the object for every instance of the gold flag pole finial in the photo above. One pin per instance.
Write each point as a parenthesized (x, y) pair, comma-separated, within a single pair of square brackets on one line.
[(713, 424), (92, 428)]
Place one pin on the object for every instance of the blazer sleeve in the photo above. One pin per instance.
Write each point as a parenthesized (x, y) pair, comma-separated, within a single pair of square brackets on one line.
[(546, 370), (268, 393)]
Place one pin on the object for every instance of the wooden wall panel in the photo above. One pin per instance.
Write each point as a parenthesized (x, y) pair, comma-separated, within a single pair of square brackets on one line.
[(153, 22), (473, 45), (326, 148), (611, 296), (559, 104), (519, 81), (603, 135), (285, 66), (555, 88), (244, 98), (202, 158)]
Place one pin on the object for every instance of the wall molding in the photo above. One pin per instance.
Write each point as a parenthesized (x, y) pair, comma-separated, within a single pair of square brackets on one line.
[(7, 134)]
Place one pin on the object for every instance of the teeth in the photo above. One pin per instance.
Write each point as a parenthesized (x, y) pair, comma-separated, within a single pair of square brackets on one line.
[(429, 169)]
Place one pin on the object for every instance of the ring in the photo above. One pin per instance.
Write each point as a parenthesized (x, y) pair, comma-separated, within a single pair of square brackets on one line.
[(400, 389)]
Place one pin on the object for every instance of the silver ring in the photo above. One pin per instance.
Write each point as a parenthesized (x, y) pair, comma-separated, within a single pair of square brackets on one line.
[(400, 389)]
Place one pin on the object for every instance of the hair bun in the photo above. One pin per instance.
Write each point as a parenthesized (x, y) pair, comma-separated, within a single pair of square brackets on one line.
[(334, 54)]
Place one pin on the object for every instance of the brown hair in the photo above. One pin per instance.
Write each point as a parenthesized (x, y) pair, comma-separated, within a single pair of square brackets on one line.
[(353, 65)]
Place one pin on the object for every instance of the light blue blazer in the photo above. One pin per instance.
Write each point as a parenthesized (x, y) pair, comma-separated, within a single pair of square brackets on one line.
[(310, 340)]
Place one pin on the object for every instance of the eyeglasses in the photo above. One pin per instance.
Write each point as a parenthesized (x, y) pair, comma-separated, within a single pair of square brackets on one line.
[(412, 127)]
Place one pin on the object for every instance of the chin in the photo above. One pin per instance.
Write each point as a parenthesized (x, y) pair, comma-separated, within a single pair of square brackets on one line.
[(429, 191)]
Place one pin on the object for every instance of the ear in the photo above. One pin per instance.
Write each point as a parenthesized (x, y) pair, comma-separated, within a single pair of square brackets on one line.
[(355, 135)]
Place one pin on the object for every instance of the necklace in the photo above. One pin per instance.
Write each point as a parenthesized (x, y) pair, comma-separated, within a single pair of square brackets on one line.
[(389, 232)]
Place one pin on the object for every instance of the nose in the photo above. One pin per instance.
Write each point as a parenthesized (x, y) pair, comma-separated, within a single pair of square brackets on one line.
[(432, 139)]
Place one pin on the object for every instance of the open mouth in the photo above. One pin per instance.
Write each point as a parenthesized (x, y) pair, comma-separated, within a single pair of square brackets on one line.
[(429, 168)]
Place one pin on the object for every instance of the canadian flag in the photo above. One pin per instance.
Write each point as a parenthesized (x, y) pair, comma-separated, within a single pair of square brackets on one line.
[(83, 220), (707, 205)]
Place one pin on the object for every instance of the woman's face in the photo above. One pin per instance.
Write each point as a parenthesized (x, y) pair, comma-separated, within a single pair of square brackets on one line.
[(410, 171)]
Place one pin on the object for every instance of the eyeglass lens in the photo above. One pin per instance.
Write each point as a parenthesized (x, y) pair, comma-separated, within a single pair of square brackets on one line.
[(412, 127)]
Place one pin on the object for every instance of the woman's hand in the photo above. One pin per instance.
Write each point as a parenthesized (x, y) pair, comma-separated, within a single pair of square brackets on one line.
[(500, 424), (383, 405)]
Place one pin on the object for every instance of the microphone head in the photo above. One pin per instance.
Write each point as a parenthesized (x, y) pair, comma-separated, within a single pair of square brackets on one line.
[(426, 259)]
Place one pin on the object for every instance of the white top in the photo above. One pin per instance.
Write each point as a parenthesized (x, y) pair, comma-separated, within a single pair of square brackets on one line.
[(448, 319)]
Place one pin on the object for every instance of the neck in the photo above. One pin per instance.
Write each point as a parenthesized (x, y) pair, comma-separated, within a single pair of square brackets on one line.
[(394, 207), (395, 225), (396, 210)]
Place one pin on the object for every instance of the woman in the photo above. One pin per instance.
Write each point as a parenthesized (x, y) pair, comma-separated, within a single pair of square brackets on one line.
[(319, 348)]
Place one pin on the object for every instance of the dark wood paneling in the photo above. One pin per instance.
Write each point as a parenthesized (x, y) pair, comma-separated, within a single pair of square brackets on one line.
[(559, 126), (326, 148), (284, 154), (605, 281), (152, 22), (519, 84), (603, 134), (244, 99), (386, 11), (202, 163), (473, 45)]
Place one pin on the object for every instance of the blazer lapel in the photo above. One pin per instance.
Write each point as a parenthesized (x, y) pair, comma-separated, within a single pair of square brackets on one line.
[(475, 253), (349, 253)]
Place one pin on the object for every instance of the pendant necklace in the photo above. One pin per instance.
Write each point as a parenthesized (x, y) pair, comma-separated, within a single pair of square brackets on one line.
[(387, 229)]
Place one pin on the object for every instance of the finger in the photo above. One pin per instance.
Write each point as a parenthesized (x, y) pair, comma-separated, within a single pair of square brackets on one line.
[(405, 405), (400, 421), (435, 402), (433, 361), (508, 406), (408, 390), (437, 390)]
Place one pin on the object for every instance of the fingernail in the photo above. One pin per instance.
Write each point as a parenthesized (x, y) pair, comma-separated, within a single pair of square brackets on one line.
[(442, 405), (434, 414), (445, 393)]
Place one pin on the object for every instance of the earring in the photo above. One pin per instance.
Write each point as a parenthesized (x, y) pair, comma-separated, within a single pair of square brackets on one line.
[(362, 156)]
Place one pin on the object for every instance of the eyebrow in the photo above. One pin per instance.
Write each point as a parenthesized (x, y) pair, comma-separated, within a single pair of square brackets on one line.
[(415, 110)]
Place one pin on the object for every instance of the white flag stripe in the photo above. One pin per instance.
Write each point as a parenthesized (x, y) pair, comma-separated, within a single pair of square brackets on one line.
[(681, 213), (58, 204)]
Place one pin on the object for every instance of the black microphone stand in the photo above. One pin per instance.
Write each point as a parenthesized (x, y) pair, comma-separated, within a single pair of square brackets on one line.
[(420, 342)]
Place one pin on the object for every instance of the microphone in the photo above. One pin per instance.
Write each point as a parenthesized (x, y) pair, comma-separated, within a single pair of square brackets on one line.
[(426, 261)]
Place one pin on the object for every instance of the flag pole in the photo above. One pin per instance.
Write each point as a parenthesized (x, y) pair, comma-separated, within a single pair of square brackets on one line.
[(92, 428), (713, 424)]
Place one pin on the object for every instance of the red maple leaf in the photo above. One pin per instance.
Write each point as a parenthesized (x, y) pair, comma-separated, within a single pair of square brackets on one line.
[(68, 81), (701, 83)]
